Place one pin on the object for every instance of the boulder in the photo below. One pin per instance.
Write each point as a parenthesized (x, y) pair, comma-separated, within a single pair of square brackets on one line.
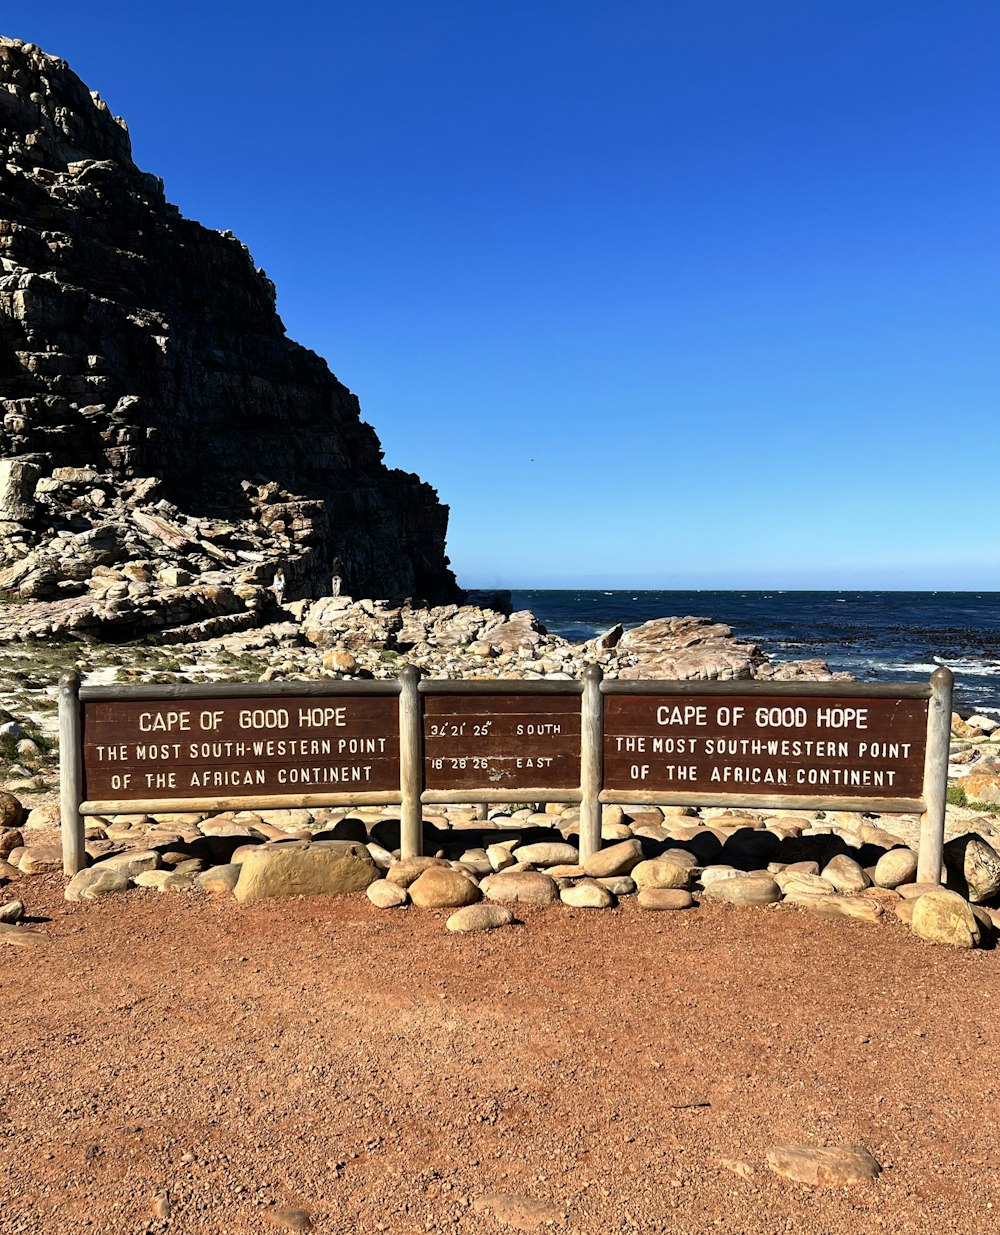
[(587, 894), (945, 917), (665, 898), (482, 917), (895, 867), (40, 859), (835, 904), (440, 887), (845, 874), (95, 883), (386, 895), (11, 811), (334, 869), (547, 853), (614, 860), (973, 867), (409, 870), (982, 785), (219, 879), (832, 1166), (521, 888), (745, 890), (661, 873)]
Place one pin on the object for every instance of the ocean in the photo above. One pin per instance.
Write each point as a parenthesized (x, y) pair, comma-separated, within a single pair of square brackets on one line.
[(877, 636)]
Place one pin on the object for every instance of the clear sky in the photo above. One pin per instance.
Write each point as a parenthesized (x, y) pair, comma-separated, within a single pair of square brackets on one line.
[(656, 294)]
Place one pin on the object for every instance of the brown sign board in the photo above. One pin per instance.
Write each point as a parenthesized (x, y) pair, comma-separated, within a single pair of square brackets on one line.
[(502, 742), (248, 747), (829, 746)]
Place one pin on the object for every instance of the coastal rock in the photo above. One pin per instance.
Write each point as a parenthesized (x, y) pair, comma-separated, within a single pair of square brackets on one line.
[(745, 890), (386, 895), (665, 898), (895, 867), (156, 414), (614, 860), (587, 894)]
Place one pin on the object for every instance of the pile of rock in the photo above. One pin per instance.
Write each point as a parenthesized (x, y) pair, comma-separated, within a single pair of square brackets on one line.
[(667, 859), (974, 762)]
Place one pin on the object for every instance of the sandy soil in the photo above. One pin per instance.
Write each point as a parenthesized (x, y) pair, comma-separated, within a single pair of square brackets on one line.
[(585, 1071)]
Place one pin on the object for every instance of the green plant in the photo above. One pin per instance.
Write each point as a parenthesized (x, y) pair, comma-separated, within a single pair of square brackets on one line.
[(956, 796)]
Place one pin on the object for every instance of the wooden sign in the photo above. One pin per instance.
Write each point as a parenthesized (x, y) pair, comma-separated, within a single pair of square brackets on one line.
[(239, 747), (829, 746), (502, 742)]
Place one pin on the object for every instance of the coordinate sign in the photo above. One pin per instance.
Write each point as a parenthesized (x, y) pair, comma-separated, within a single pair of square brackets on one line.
[(835, 747), (501, 741), (239, 747)]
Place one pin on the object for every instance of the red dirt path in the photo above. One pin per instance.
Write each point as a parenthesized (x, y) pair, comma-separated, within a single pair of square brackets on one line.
[(372, 1070)]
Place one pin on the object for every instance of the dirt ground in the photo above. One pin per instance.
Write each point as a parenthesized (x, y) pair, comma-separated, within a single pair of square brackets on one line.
[(586, 1071)]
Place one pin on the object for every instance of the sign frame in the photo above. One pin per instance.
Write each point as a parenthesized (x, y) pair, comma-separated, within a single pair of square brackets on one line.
[(591, 689)]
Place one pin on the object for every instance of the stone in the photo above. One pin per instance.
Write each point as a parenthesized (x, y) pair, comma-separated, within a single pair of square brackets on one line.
[(711, 874), (616, 859), (386, 895), (12, 912), (409, 870), (835, 904), (895, 867), (521, 888), (745, 890), (845, 874), (40, 859), (618, 885), (912, 891), (798, 883), (440, 887), (340, 660), (11, 812), (973, 867), (945, 917), (547, 853), (96, 882), (481, 917), (334, 869), (219, 879), (982, 785), (665, 898), (521, 1213), (289, 1219), (587, 894), (133, 862), (500, 857), (834, 1166), (904, 911), (661, 873), (10, 838)]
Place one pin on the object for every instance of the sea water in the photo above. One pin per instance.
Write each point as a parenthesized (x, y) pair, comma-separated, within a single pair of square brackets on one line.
[(876, 636)]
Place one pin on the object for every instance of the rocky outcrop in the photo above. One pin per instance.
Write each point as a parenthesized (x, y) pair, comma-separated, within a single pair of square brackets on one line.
[(153, 414)]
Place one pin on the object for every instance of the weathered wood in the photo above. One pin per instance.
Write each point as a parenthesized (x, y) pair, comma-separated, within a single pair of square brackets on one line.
[(197, 747), (759, 801), (70, 775), (591, 762), (779, 745), (502, 742), (873, 690), (286, 801), (411, 763), (930, 853)]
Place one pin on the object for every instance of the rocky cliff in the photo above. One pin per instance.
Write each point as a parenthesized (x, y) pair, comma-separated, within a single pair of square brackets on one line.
[(155, 417)]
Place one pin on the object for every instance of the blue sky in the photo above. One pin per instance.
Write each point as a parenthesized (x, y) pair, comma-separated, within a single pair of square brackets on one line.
[(654, 294)]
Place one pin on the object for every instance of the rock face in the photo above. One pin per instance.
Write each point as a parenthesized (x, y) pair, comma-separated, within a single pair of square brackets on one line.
[(155, 417)]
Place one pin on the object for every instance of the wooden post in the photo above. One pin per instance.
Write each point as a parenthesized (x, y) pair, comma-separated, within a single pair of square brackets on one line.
[(591, 761), (71, 774), (411, 763), (930, 854), (482, 811)]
